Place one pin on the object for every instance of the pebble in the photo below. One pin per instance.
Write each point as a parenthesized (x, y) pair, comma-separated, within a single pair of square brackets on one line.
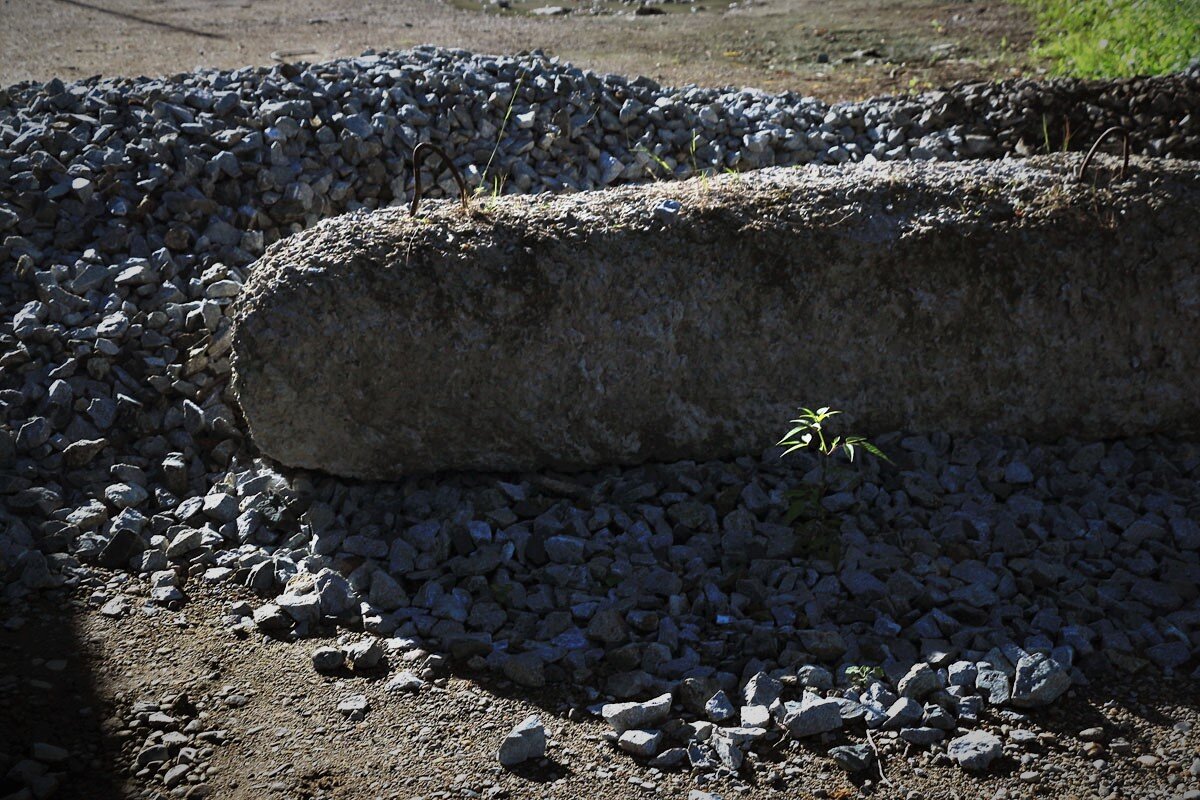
[(923, 736), (355, 707), (116, 607), (328, 659), (903, 713), (919, 681), (761, 690), (853, 758), (994, 685), (49, 753), (643, 744), (755, 717), (526, 669), (963, 673), (404, 681)]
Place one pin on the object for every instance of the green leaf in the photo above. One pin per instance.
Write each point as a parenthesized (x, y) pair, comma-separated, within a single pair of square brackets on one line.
[(795, 430), (850, 451), (875, 451)]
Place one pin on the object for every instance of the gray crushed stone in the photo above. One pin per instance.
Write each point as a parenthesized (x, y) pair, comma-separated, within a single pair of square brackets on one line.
[(978, 573)]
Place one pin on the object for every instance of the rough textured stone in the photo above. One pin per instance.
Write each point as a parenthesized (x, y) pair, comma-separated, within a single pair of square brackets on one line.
[(1040, 680), (643, 744), (975, 750), (853, 757), (811, 716), (328, 659), (919, 681), (629, 716), (586, 322), (526, 741)]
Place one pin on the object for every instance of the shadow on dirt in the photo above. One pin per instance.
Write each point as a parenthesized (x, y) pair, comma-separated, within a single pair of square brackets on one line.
[(143, 20), (51, 739)]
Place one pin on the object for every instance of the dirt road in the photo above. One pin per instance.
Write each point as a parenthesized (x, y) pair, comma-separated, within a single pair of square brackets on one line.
[(847, 49)]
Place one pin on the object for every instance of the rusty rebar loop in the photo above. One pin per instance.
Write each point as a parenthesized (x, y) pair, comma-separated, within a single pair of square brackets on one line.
[(418, 157), (1108, 132)]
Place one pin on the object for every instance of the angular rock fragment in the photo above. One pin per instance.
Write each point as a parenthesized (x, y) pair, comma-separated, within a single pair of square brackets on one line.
[(975, 750), (1040, 680), (524, 742), (630, 716), (812, 716)]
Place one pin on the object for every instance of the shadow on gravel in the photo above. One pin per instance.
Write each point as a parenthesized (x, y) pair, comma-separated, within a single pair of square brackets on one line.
[(51, 739), (1138, 709), (538, 773)]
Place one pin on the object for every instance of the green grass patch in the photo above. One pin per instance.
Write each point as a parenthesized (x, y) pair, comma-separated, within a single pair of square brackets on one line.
[(1117, 38)]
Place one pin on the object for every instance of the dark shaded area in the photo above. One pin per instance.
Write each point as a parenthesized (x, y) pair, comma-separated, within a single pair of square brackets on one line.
[(545, 770), (143, 20), (42, 704)]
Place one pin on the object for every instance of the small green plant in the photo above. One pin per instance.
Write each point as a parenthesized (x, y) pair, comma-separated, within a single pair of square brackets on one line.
[(661, 162), (916, 86), (493, 195), (498, 183), (707, 171), (860, 675), (809, 431), (1047, 145)]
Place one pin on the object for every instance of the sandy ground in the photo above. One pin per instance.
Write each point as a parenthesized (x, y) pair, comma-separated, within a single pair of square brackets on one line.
[(847, 49)]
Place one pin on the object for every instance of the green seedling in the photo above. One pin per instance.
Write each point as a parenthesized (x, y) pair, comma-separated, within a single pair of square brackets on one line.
[(805, 503), (861, 675)]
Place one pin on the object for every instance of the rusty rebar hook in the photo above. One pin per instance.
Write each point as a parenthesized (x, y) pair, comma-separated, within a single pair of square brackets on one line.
[(418, 157), (1125, 149)]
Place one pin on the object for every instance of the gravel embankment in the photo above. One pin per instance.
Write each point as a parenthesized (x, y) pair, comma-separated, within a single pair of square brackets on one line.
[(983, 576)]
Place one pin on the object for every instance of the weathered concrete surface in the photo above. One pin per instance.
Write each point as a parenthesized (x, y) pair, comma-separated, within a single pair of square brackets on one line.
[(590, 329)]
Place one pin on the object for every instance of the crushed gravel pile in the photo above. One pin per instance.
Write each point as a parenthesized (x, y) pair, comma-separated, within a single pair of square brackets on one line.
[(223, 163), (977, 575)]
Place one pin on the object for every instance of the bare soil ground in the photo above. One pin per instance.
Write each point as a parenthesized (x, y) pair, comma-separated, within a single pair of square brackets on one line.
[(847, 49), (283, 737)]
